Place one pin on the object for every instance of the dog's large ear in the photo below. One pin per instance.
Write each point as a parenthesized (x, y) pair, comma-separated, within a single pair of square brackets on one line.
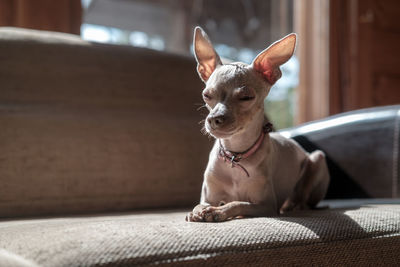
[(206, 57), (268, 61)]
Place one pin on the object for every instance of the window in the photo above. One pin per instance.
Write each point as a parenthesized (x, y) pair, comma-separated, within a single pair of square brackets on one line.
[(239, 30)]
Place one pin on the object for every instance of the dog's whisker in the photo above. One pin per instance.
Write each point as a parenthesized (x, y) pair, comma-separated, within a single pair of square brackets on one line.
[(205, 132), (201, 107)]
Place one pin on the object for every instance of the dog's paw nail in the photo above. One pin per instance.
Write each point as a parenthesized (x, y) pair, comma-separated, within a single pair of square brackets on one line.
[(205, 211), (189, 217)]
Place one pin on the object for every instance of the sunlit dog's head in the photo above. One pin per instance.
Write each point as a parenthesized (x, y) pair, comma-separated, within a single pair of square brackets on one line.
[(234, 93)]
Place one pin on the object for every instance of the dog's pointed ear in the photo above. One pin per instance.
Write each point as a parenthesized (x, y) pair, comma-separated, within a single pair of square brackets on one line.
[(268, 61), (206, 57)]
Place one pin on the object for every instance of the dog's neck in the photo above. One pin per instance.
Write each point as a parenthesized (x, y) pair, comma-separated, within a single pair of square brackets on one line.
[(244, 139)]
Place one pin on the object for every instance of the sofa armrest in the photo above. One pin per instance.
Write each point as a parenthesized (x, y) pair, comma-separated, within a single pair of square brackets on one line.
[(362, 148)]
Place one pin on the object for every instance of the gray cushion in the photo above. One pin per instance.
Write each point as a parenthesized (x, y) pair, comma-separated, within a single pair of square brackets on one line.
[(364, 144), (364, 235)]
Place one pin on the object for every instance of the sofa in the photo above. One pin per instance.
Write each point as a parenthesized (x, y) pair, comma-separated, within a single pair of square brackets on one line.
[(101, 158)]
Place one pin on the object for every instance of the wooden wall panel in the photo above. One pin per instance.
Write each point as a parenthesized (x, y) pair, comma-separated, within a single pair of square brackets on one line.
[(364, 54), (60, 15), (6, 12), (386, 89), (386, 15)]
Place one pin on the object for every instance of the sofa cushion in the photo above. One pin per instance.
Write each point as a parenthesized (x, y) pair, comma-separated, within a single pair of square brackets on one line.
[(89, 127), (361, 235)]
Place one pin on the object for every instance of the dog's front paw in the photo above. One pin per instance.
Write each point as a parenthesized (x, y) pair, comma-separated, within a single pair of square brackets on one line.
[(214, 214), (197, 214), (194, 217), (206, 213)]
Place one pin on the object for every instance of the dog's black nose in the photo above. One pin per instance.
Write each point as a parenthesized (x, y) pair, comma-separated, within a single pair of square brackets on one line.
[(216, 121)]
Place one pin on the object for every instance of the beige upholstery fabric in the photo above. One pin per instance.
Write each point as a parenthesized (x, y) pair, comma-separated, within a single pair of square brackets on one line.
[(8, 259), (94, 127), (364, 236)]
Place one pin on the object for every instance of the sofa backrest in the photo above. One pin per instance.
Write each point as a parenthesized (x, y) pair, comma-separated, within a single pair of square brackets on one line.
[(89, 127)]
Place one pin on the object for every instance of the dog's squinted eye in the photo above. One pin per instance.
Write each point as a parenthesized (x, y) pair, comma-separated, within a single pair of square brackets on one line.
[(246, 98), (221, 203), (244, 94), (206, 96)]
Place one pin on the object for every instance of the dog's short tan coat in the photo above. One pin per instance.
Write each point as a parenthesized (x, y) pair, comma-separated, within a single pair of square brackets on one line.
[(282, 176)]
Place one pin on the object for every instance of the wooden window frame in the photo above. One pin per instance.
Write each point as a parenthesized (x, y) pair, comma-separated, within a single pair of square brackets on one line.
[(311, 19)]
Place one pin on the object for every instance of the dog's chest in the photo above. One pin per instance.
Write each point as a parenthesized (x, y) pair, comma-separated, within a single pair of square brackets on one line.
[(240, 187)]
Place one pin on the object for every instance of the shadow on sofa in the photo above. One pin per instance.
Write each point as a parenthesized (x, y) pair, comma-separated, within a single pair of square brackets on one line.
[(317, 223)]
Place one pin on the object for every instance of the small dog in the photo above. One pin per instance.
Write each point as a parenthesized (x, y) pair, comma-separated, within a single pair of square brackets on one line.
[(250, 171)]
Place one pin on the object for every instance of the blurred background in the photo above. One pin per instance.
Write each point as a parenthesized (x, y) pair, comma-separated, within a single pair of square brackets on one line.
[(238, 29), (347, 56)]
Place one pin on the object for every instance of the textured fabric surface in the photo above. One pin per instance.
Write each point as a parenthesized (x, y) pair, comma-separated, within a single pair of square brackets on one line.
[(358, 236), (8, 259), (94, 127)]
